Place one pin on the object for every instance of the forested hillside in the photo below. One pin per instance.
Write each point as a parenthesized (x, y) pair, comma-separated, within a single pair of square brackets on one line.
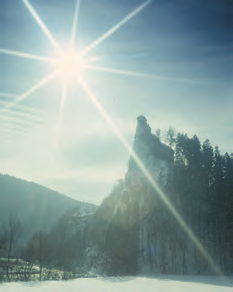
[(38, 228), (184, 225), (37, 207)]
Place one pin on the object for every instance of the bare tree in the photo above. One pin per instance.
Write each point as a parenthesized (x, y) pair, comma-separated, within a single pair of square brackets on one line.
[(28, 255), (9, 238)]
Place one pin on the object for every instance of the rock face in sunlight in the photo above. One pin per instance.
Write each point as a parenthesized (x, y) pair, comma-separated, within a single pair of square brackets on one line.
[(134, 230), (114, 237), (156, 156)]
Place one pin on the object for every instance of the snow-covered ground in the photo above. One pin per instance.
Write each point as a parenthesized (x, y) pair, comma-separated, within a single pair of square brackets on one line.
[(122, 284)]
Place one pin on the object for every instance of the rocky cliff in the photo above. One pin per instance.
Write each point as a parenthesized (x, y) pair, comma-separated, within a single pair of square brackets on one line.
[(114, 235)]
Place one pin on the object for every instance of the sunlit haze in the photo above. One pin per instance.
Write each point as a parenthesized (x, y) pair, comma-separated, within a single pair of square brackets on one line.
[(75, 75)]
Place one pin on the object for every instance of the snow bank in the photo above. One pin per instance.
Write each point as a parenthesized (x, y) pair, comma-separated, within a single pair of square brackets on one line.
[(123, 284)]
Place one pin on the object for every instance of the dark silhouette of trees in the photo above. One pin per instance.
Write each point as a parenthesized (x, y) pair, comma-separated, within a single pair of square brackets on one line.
[(200, 187), (9, 238)]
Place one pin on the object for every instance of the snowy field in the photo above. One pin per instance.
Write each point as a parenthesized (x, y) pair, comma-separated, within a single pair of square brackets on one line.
[(123, 284)]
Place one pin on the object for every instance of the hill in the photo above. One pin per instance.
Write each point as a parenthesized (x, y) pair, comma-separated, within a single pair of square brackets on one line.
[(37, 207)]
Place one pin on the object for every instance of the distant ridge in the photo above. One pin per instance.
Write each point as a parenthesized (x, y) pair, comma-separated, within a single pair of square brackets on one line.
[(36, 206)]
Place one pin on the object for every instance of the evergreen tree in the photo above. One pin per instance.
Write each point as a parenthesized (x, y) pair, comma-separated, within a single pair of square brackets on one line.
[(170, 137)]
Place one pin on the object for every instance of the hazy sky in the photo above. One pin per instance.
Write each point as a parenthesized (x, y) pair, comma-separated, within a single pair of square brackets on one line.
[(182, 49)]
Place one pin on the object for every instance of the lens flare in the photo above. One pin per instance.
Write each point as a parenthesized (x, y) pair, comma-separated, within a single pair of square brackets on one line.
[(75, 21), (116, 27), (144, 75), (41, 24), (31, 90), (69, 65), (25, 55)]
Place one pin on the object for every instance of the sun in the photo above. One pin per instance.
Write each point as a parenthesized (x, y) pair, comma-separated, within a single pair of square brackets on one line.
[(69, 65)]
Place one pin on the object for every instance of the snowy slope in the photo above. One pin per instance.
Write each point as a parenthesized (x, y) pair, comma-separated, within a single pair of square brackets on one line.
[(136, 284)]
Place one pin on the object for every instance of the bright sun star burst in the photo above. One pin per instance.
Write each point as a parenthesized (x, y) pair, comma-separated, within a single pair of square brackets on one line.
[(69, 65)]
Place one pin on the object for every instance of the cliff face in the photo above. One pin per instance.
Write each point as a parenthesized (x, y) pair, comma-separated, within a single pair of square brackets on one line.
[(156, 157), (117, 232)]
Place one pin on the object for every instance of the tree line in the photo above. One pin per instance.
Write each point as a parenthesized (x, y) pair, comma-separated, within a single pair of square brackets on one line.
[(144, 232), (57, 254)]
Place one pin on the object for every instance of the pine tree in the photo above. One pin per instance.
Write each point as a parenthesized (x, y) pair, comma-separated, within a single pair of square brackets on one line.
[(170, 137)]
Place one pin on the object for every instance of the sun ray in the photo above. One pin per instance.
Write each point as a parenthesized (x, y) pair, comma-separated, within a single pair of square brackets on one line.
[(75, 22), (116, 27), (41, 24), (26, 55), (31, 90), (145, 75), (63, 98), (58, 130), (149, 177)]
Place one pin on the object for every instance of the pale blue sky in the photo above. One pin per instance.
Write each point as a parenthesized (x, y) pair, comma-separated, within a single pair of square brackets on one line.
[(187, 43)]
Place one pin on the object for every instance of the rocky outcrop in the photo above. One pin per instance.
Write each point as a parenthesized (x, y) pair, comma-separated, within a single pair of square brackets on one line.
[(155, 156), (114, 236)]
